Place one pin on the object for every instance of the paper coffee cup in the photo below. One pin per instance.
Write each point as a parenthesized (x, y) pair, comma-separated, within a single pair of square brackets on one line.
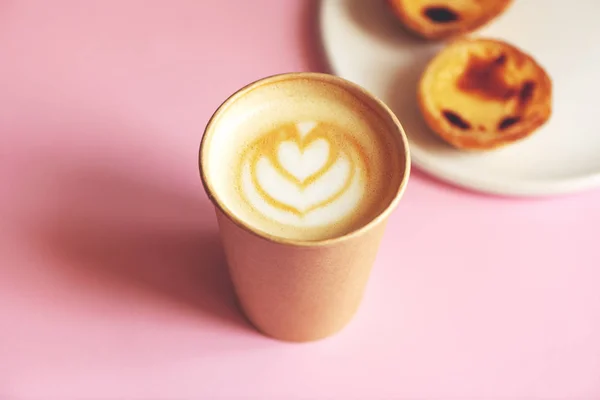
[(295, 289)]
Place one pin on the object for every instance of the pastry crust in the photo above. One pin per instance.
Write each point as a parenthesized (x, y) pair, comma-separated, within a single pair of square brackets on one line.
[(481, 94), (440, 19)]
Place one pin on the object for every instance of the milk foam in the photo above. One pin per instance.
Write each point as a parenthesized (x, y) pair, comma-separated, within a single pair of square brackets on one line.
[(304, 159), (335, 192)]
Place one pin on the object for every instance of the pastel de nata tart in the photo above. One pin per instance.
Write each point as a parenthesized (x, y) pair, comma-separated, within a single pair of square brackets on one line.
[(439, 19), (480, 94)]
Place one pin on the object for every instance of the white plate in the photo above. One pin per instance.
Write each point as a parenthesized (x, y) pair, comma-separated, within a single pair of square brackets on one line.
[(365, 44)]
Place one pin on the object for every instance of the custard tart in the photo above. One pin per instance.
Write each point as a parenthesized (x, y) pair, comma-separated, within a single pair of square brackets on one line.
[(482, 94), (440, 19)]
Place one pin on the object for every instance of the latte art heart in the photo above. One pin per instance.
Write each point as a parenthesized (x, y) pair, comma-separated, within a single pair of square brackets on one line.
[(303, 199), (306, 162), (303, 175)]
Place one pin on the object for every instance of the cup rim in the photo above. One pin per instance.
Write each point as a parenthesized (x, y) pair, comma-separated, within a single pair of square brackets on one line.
[(328, 78)]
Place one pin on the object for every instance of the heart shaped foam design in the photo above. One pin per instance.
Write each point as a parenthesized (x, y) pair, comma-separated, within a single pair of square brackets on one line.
[(303, 163), (332, 182)]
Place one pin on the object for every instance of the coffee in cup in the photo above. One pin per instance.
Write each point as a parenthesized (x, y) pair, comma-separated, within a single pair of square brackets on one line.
[(305, 167)]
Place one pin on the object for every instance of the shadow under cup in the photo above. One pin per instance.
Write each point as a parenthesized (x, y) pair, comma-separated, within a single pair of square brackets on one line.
[(291, 289)]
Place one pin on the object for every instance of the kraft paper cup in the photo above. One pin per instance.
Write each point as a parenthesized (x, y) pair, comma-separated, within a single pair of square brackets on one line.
[(298, 290)]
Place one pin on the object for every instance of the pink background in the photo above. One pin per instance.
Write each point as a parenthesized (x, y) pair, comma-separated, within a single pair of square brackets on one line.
[(112, 281)]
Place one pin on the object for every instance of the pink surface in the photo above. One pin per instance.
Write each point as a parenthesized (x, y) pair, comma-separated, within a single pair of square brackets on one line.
[(112, 281)]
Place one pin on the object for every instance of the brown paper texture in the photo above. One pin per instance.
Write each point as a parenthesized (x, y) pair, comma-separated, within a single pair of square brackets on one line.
[(298, 293)]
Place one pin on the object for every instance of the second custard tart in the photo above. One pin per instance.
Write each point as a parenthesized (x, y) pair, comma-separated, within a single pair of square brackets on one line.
[(480, 94)]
